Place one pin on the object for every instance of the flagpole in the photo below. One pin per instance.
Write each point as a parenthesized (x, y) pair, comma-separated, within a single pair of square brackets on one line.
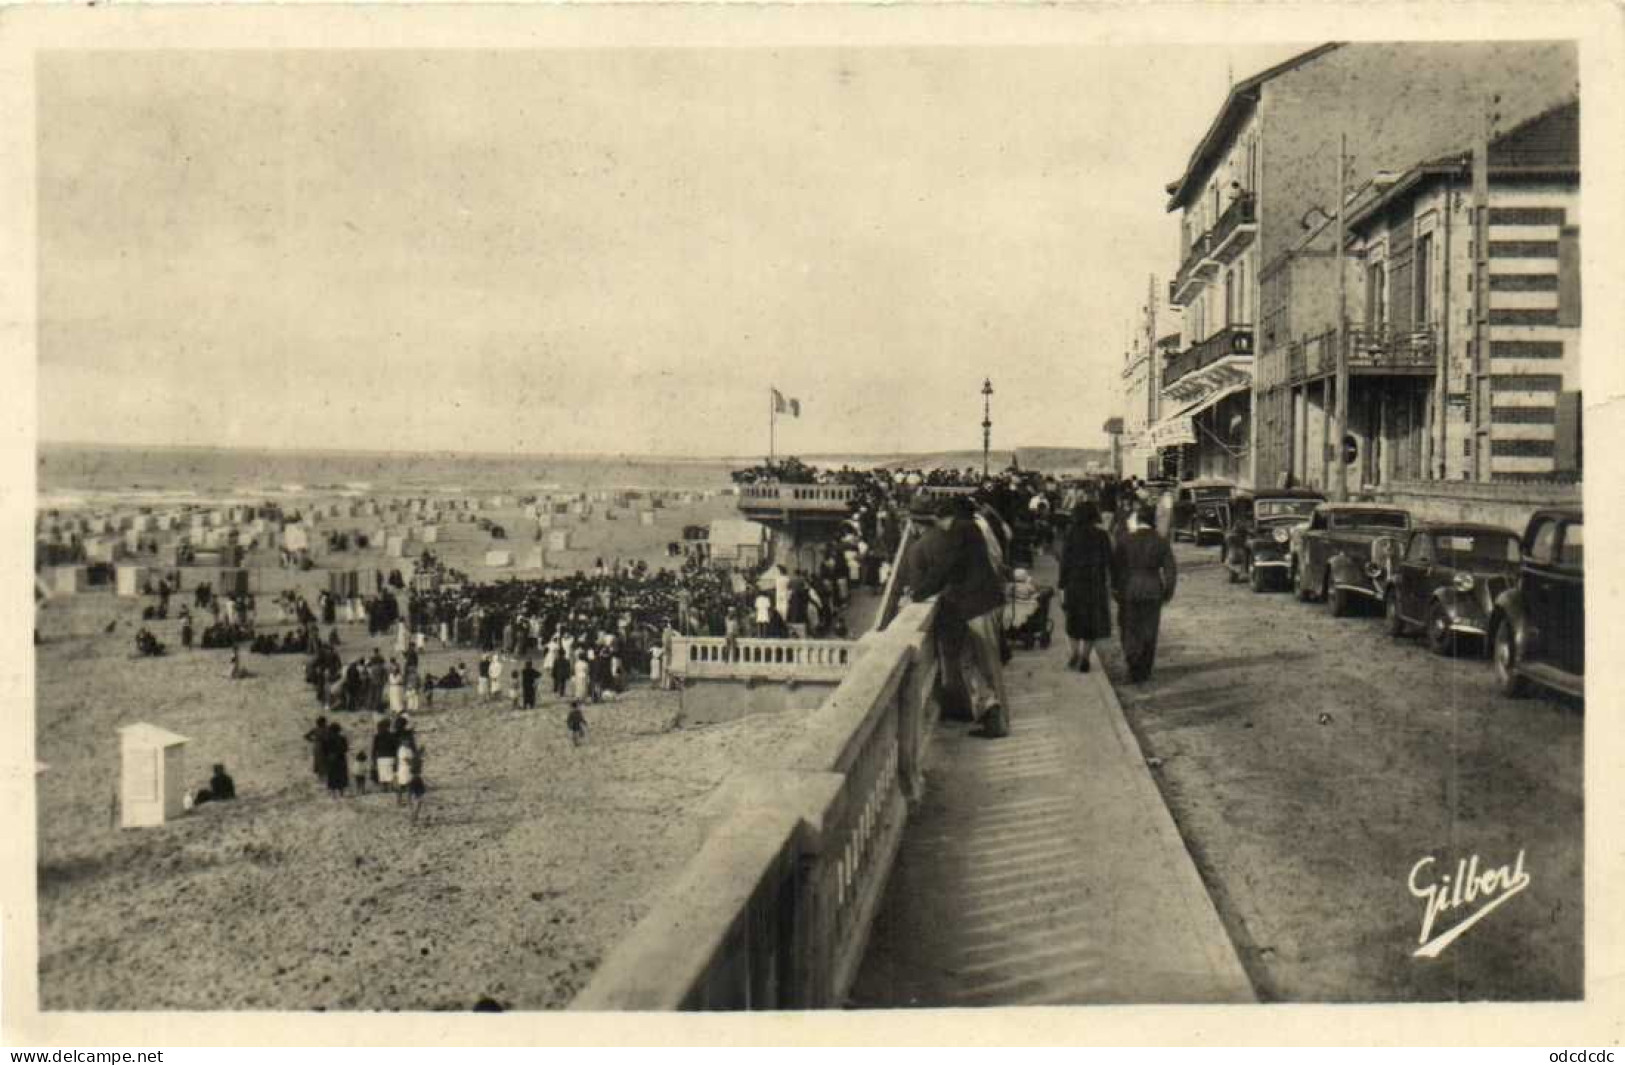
[(772, 426)]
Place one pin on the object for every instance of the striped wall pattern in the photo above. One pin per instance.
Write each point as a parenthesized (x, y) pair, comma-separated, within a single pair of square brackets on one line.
[(1533, 356)]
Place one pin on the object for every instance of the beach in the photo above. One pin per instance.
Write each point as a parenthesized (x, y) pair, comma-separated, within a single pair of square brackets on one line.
[(530, 859)]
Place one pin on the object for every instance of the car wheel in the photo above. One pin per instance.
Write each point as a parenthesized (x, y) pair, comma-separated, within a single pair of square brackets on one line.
[(1299, 589), (1505, 662), (1336, 598), (1255, 578), (1440, 638), (1224, 559), (1390, 610)]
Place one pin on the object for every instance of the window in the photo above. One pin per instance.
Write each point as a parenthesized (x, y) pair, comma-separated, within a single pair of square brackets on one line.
[(1421, 551), (1376, 297), (1371, 519), (1423, 273), (1543, 547), (1573, 550), (1568, 276)]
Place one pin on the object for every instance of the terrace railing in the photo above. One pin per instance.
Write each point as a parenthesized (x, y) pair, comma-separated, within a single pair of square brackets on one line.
[(718, 657), (775, 910)]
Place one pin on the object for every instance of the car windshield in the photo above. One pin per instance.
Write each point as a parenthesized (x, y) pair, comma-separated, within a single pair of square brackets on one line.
[(1281, 508), (1462, 550), (1371, 519)]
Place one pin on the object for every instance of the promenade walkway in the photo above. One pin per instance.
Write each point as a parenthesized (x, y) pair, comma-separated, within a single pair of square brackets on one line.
[(1044, 868)]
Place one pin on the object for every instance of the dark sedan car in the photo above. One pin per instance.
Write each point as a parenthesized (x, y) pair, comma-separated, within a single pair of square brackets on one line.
[(1202, 510), (1257, 546), (1446, 579), (1538, 630)]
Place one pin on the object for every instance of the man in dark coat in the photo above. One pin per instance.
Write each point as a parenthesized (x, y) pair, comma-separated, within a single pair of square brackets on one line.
[(527, 684), (972, 595), (929, 550), (1143, 578)]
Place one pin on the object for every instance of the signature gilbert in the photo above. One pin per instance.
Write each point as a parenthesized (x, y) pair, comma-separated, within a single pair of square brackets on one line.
[(1467, 886)]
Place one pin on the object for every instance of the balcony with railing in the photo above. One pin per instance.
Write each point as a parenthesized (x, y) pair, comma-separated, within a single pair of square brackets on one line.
[(1236, 228), (1372, 350), (1197, 269), (1230, 341), (803, 499)]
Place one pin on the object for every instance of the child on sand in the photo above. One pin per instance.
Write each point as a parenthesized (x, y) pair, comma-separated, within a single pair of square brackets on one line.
[(577, 722), (362, 770)]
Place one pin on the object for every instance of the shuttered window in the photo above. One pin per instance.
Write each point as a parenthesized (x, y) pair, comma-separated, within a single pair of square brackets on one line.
[(1568, 277)]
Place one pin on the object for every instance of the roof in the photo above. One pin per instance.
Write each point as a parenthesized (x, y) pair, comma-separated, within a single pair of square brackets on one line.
[(736, 532), (1243, 96), (1472, 527), (1545, 143), (1286, 493), (1364, 507), (151, 735)]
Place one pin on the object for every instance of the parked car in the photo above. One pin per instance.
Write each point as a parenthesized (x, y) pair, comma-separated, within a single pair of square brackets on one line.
[(1445, 580), (1332, 556), (1202, 509), (1538, 629), (1257, 546)]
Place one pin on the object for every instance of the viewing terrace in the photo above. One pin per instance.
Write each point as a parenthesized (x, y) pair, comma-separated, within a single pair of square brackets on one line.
[(887, 857)]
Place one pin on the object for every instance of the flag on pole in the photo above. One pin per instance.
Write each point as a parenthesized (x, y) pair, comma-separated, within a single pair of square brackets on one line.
[(795, 408), (778, 401)]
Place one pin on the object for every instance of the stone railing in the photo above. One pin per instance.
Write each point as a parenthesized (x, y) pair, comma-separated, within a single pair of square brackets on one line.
[(838, 497), (719, 657), (774, 911)]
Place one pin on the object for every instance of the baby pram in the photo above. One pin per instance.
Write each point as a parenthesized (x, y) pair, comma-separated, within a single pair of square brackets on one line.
[(1027, 621)]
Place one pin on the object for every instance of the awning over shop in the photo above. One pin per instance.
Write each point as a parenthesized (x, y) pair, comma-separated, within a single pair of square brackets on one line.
[(1179, 429)]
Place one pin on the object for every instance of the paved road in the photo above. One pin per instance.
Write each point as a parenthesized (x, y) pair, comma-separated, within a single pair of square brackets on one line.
[(1310, 762)]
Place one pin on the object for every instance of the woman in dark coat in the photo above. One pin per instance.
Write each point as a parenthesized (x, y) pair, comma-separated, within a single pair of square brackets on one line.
[(1085, 583), (337, 761)]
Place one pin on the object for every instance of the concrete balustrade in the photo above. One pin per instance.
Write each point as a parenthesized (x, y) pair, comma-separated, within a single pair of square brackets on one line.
[(775, 910), (715, 657)]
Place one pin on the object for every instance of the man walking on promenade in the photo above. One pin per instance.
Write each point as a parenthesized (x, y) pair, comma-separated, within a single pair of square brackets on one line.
[(963, 571), (1143, 578)]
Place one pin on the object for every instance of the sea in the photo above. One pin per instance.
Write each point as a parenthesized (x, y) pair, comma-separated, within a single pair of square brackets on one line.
[(78, 476)]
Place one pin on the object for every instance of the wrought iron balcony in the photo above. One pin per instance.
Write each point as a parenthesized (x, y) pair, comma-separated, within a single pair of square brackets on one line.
[(1236, 228), (1231, 340), (1387, 348), (1196, 269)]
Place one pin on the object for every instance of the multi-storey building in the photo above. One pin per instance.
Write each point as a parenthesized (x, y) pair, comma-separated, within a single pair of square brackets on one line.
[(1435, 393), (1266, 171)]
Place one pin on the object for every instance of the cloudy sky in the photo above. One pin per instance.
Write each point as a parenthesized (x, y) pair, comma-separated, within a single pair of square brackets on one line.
[(609, 250)]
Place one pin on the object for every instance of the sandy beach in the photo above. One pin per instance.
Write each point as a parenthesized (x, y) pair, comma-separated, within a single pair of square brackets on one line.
[(531, 859)]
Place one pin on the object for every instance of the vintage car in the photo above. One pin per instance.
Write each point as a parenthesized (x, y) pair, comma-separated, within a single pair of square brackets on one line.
[(1445, 579), (1332, 555), (1538, 629), (1202, 510), (1257, 546)]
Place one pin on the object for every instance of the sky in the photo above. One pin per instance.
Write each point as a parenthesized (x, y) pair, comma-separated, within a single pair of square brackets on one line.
[(605, 250)]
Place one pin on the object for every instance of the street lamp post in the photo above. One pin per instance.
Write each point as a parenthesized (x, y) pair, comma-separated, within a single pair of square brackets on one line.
[(987, 422)]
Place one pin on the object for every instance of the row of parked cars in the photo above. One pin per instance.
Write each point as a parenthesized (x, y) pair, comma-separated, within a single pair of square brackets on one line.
[(1518, 599)]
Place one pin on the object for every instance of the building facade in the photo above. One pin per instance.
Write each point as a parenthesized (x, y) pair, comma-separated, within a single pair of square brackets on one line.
[(1433, 394), (1266, 172)]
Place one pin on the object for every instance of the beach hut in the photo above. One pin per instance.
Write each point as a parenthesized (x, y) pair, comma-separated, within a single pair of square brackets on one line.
[(397, 547), (544, 521), (498, 559), (296, 538), (344, 584), (129, 580), (153, 775), (67, 580), (646, 517), (558, 540), (744, 543), (103, 549), (429, 534), (535, 558)]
